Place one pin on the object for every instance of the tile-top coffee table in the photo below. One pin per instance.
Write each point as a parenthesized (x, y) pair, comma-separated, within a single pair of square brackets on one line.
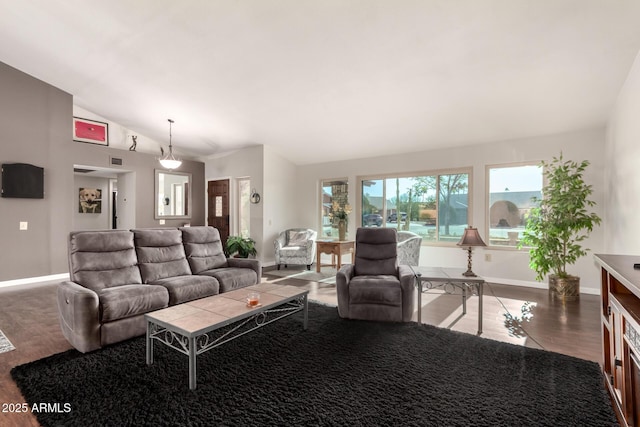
[(197, 326)]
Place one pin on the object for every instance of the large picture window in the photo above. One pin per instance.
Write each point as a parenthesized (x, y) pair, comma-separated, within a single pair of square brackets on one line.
[(511, 190), (435, 206)]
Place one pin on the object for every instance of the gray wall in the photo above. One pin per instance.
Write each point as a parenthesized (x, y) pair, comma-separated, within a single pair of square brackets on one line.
[(35, 127)]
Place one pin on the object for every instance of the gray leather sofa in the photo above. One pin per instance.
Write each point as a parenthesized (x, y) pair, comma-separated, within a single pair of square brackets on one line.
[(116, 276)]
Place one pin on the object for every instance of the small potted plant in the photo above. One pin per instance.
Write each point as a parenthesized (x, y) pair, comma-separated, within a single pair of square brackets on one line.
[(241, 247), (555, 228)]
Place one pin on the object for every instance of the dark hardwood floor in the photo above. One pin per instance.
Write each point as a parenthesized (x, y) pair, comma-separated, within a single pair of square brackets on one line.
[(523, 316)]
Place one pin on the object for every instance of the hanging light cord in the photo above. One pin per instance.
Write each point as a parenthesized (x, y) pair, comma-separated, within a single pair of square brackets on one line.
[(170, 147)]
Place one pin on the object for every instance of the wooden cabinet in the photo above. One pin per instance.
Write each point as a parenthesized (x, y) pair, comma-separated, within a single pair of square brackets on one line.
[(620, 296)]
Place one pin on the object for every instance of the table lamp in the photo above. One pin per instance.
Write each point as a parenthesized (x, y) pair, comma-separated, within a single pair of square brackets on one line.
[(469, 239)]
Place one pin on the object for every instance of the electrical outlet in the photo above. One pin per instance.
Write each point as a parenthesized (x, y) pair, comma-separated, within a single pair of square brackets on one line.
[(161, 222), (24, 225), (487, 257)]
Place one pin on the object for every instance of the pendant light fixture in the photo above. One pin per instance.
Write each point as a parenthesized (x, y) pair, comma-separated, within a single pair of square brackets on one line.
[(168, 161)]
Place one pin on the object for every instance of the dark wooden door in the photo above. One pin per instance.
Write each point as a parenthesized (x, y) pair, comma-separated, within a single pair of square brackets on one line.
[(114, 211), (218, 207)]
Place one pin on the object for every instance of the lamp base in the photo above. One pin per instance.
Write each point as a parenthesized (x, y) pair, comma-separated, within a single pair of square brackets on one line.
[(469, 273)]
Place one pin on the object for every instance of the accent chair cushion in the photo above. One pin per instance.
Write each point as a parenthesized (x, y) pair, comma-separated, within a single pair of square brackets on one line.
[(376, 252), (297, 238), (380, 290)]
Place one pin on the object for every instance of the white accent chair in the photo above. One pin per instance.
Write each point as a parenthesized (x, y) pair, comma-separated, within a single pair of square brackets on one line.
[(296, 246), (409, 248)]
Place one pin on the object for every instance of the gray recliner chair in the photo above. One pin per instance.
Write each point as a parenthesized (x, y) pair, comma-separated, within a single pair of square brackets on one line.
[(376, 287)]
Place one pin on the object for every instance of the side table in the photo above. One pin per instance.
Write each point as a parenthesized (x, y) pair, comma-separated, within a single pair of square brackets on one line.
[(336, 248), (435, 277)]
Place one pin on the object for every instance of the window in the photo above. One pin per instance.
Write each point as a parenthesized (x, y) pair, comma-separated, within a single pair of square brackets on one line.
[(433, 205), (244, 207), (511, 189), (332, 191)]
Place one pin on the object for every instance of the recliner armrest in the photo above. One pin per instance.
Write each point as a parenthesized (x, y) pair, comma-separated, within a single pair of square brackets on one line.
[(408, 285), (79, 310), (343, 277), (251, 263)]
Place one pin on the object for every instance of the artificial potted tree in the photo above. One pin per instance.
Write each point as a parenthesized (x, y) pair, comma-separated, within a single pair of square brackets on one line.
[(555, 228), (241, 247)]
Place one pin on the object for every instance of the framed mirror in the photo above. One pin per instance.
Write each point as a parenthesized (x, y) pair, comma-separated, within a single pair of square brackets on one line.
[(172, 195)]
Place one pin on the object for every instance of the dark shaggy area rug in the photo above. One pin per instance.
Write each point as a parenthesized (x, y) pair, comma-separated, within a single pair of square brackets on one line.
[(337, 373)]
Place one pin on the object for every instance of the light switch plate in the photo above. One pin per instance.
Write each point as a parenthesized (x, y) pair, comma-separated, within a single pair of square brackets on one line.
[(24, 225), (161, 222)]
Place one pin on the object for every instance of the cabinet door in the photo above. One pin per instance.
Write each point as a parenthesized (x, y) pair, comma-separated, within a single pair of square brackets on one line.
[(616, 351)]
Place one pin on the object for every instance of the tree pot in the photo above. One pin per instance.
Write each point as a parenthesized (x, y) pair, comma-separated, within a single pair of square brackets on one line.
[(564, 289)]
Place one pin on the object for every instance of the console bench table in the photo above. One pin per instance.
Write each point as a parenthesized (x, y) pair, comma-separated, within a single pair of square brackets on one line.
[(620, 314), (198, 326)]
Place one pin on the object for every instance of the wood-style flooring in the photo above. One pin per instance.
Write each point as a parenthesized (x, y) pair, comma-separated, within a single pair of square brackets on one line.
[(519, 315)]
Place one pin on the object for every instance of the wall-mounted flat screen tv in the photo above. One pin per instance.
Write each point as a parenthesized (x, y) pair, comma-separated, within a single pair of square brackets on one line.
[(22, 180)]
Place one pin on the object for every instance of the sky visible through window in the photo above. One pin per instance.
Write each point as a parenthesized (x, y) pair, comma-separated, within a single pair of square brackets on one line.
[(518, 178)]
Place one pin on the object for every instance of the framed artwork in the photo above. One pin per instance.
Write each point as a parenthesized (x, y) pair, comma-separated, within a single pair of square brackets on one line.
[(89, 200), (90, 131)]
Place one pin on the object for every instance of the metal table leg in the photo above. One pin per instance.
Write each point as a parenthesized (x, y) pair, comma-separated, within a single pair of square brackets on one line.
[(192, 363), (149, 344), (305, 312), (479, 287), (419, 284)]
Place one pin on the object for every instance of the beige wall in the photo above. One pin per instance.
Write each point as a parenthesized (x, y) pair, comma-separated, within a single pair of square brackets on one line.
[(506, 266), (35, 127), (274, 178), (622, 178)]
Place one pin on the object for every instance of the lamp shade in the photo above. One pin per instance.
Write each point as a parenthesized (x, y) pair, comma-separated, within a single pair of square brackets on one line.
[(470, 238), (168, 161)]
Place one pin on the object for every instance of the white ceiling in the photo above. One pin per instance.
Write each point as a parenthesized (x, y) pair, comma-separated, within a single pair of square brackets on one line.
[(324, 80)]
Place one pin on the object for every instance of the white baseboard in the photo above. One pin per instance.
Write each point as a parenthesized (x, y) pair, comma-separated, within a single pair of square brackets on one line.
[(30, 280), (537, 285)]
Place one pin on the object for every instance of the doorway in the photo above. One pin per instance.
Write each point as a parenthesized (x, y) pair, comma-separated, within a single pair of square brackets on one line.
[(218, 207)]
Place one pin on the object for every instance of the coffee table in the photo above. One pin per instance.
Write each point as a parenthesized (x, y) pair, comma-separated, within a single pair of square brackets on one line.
[(195, 327)]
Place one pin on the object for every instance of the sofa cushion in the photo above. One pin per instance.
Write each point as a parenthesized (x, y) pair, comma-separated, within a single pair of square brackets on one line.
[(160, 254), (379, 289), (203, 248), (293, 252), (129, 300), (231, 278), (187, 288), (103, 259), (297, 238)]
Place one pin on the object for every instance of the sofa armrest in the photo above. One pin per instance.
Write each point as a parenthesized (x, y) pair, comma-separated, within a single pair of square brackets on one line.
[(79, 310), (408, 285), (343, 277), (251, 263)]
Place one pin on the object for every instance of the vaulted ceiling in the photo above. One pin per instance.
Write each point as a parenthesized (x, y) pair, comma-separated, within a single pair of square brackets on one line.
[(324, 80)]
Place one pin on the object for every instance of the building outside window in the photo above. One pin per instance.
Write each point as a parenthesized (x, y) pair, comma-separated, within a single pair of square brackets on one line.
[(433, 205), (511, 190)]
